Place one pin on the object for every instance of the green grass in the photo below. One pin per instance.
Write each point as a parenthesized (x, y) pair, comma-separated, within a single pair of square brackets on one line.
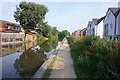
[(47, 73)]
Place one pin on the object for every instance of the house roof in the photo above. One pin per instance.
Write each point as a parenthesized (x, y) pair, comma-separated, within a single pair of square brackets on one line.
[(115, 11), (100, 20), (89, 22), (95, 21), (84, 29), (13, 24), (10, 23)]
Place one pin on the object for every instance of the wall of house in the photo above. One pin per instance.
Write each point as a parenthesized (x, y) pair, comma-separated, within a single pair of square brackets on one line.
[(3, 25), (6, 27), (78, 33), (89, 29), (93, 29), (30, 37), (118, 24), (12, 37), (83, 32), (110, 20), (100, 29)]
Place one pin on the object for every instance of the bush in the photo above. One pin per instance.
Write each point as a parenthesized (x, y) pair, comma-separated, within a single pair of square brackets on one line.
[(94, 58), (40, 39)]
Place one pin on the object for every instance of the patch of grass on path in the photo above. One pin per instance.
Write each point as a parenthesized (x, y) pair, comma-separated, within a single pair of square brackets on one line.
[(47, 73)]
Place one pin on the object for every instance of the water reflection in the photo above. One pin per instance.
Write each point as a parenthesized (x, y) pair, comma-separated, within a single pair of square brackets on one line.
[(26, 62), (30, 45), (46, 47), (11, 48)]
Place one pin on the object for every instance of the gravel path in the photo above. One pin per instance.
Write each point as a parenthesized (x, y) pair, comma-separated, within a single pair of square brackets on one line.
[(63, 66)]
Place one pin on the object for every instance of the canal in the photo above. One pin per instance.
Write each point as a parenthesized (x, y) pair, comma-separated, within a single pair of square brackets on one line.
[(24, 59)]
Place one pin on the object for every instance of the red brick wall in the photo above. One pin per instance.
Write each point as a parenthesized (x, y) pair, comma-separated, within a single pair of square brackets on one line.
[(4, 28), (3, 25)]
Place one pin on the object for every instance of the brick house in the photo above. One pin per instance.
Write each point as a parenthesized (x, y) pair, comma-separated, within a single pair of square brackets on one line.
[(83, 32), (11, 32), (77, 33)]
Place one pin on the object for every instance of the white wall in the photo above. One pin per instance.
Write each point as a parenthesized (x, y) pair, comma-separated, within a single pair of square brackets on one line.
[(118, 24), (110, 19), (99, 29)]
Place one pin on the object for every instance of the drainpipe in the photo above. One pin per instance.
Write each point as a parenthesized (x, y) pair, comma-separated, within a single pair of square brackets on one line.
[(115, 28)]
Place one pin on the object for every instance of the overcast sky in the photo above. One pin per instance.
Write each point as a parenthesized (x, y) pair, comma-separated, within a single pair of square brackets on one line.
[(65, 14)]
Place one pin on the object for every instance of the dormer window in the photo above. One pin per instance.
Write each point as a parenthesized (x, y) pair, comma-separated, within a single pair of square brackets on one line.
[(111, 26)]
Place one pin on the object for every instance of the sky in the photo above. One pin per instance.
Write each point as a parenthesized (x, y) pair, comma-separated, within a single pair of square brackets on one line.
[(64, 14)]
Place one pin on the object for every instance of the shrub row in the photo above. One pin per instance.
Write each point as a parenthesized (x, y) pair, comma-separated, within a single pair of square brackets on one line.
[(94, 57)]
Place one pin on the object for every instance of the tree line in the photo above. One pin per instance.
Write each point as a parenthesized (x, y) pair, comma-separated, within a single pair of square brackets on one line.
[(31, 16)]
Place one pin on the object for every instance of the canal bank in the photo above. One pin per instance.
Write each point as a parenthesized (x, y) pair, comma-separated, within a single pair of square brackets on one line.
[(60, 64), (39, 73)]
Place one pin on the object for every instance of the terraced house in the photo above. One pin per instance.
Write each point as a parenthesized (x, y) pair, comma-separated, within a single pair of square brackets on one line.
[(10, 33), (76, 33), (107, 26), (89, 31), (83, 32), (112, 24), (95, 27)]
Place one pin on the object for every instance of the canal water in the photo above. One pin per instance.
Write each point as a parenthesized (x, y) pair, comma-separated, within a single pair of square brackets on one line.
[(23, 60)]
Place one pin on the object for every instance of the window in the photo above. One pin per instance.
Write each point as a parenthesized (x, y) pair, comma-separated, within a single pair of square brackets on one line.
[(110, 38), (113, 38), (90, 25), (19, 28), (111, 26), (93, 31), (118, 38), (106, 29)]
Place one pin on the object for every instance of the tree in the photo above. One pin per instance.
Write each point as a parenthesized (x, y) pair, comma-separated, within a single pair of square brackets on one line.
[(30, 14), (60, 36), (54, 31), (66, 33), (63, 34)]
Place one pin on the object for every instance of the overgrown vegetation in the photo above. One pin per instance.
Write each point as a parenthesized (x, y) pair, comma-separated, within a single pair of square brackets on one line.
[(95, 58)]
